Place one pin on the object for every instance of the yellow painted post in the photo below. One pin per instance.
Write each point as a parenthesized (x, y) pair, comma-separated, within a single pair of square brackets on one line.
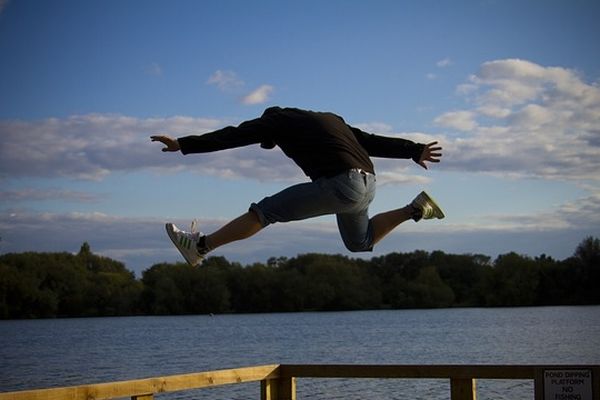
[(268, 389), (287, 389), (278, 389), (463, 389)]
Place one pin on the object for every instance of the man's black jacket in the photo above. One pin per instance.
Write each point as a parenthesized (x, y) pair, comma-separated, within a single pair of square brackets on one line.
[(320, 143)]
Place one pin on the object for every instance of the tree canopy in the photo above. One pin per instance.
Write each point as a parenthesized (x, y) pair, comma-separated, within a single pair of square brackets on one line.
[(40, 285)]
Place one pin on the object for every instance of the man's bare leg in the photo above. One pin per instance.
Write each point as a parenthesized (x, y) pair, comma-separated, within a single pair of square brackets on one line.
[(242, 227), (194, 246), (422, 207), (385, 222), (248, 224)]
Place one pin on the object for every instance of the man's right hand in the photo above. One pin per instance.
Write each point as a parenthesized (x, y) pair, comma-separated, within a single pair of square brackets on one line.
[(170, 143), (431, 153)]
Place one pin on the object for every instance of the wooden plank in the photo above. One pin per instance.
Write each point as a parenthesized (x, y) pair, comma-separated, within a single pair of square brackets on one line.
[(463, 389), (147, 386), (408, 371), (287, 389), (278, 381), (278, 389), (268, 389), (143, 397)]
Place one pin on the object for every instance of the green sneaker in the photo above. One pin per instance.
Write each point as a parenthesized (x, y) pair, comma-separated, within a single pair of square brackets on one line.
[(425, 208)]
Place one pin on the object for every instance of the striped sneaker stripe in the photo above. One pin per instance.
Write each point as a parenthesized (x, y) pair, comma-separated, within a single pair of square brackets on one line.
[(185, 242)]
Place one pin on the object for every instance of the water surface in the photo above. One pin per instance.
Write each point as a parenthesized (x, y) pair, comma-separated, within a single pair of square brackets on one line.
[(63, 352)]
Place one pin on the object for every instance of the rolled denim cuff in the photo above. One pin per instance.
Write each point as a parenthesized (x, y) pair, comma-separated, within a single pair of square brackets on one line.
[(259, 213)]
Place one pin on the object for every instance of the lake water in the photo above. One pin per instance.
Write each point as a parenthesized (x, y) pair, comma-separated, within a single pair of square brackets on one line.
[(64, 352)]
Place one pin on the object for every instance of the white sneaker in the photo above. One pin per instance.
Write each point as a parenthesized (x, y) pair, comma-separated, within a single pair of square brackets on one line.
[(426, 208), (186, 243)]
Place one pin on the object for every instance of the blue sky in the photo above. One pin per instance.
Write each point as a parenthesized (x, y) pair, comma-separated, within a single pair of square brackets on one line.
[(511, 89)]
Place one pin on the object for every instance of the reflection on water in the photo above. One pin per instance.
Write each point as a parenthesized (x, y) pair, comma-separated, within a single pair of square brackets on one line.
[(62, 352)]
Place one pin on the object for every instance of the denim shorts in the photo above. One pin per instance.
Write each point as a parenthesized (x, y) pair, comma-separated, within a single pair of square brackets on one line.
[(346, 195)]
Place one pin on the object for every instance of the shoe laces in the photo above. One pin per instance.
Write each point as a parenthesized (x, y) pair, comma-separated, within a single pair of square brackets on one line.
[(427, 211)]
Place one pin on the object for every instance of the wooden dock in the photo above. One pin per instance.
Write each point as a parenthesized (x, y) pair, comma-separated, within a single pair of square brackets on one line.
[(278, 381)]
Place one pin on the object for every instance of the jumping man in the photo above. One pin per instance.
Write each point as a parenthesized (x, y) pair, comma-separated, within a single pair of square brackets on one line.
[(336, 158)]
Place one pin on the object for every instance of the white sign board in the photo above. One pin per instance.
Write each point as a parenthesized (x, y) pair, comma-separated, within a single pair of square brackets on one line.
[(568, 384)]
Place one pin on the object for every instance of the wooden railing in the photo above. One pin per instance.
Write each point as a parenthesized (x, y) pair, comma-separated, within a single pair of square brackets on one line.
[(278, 382)]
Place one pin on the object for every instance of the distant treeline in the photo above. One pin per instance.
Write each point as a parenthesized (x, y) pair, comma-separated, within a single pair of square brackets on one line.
[(35, 285)]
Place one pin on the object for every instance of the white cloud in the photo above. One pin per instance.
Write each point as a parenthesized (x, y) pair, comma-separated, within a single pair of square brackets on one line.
[(561, 229), (446, 62), (154, 69), (108, 235), (493, 111), (89, 146), (400, 176), (380, 128), (225, 80), (36, 194), (525, 119), (228, 81), (461, 120), (111, 236), (578, 214), (522, 119), (258, 96)]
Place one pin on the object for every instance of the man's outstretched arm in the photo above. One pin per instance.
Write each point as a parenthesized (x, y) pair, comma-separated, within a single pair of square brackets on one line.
[(394, 147), (249, 132)]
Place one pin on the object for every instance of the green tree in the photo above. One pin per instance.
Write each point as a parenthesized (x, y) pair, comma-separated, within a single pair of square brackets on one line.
[(336, 283), (161, 295), (183, 289), (583, 269), (253, 289), (513, 281), (34, 285), (430, 290), (464, 274), (209, 292), (427, 290)]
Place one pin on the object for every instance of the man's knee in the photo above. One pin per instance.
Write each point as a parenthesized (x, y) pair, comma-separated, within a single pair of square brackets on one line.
[(358, 247)]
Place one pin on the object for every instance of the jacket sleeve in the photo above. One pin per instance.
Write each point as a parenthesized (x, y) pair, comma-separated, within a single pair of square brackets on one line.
[(388, 147), (247, 133)]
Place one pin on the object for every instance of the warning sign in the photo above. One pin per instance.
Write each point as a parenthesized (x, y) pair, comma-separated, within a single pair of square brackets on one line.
[(568, 384)]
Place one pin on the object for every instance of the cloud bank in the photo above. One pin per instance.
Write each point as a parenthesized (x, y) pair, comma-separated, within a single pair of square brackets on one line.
[(92, 146), (109, 235), (35, 194), (88, 146), (521, 120), (526, 120)]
